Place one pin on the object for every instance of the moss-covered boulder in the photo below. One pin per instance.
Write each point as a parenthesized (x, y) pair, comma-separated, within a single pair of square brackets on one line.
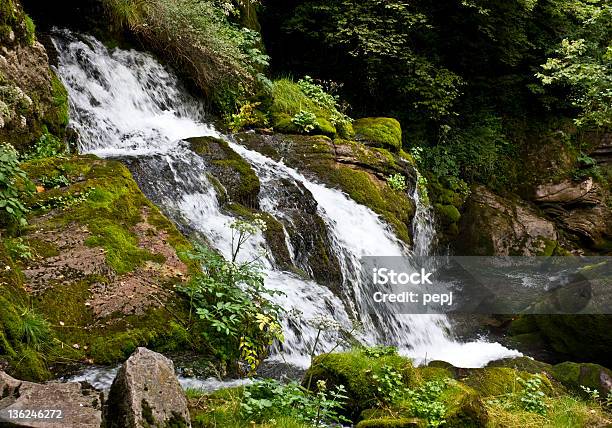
[(392, 423), (359, 171), (495, 381), (525, 364), (355, 371), (98, 264), (289, 102), (239, 181), (568, 337), (382, 132), (33, 102), (577, 375)]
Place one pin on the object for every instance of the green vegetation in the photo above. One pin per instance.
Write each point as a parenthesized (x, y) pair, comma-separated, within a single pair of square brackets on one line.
[(397, 182), (380, 131), (305, 107), (203, 39), (14, 186), (236, 316), (472, 83), (266, 400)]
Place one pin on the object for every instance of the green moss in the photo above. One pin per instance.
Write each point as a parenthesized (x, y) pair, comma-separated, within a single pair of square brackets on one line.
[(447, 214), (463, 406), (525, 364), (575, 375), (109, 214), (122, 251), (391, 423), (236, 174), (30, 30), (381, 131), (288, 100), (495, 381), (59, 116), (354, 370), (434, 373), (7, 12), (395, 207)]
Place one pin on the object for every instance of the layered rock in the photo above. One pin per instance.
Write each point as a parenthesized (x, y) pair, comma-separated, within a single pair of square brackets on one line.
[(493, 225), (101, 268), (69, 405), (33, 102)]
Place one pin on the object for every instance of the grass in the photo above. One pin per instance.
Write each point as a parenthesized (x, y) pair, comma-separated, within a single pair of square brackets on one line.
[(222, 409), (565, 411), (221, 58)]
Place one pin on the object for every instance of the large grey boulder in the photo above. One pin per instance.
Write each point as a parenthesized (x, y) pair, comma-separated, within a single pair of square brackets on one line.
[(50, 405), (146, 394), (502, 226)]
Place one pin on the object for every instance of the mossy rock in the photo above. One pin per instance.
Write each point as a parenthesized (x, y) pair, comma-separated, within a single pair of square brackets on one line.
[(576, 375), (447, 214), (525, 364), (289, 100), (232, 171), (382, 132), (391, 423), (578, 337), (435, 373), (354, 370), (496, 381), (358, 170), (464, 407), (105, 259)]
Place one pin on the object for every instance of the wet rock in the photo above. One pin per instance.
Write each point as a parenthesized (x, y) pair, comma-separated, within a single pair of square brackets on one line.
[(146, 393), (358, 170), (233, 172), (493, 225), (78, 404)]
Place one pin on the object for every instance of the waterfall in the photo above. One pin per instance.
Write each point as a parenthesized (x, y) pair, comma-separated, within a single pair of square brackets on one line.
[(126, 105)]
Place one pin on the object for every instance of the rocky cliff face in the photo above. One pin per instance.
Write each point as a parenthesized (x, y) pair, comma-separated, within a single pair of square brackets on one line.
[(33, 102)]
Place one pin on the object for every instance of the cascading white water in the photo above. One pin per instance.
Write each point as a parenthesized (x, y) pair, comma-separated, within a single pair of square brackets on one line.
[(125, 104)]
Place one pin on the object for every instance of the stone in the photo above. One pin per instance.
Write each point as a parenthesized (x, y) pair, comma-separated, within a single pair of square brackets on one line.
[(502, 226), (79, 403), (146, 393), (578, 375), (564, 192)]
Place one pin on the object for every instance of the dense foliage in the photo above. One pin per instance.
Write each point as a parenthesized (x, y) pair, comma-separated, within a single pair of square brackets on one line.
[(467, 78)]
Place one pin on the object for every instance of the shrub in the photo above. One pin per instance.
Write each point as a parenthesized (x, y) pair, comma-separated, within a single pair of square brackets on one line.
[(14, 185), (305, 121), (237, 317), (266, 400)]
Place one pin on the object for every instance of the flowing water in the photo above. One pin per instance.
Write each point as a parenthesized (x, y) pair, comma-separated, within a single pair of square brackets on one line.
[(125, 105)]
